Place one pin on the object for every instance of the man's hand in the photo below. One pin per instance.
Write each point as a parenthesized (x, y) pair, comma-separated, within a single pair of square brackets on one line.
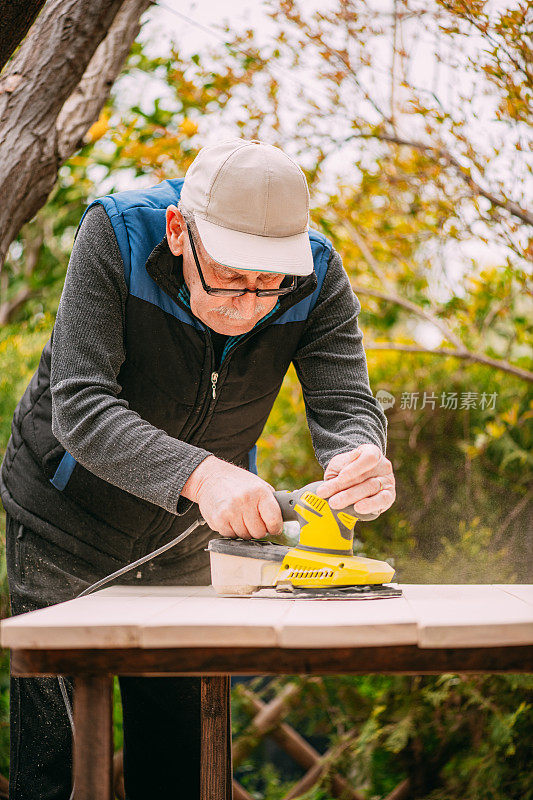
[(233, 501), (362, 477)]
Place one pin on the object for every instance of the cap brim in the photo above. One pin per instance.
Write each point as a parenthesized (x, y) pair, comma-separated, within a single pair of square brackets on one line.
[(290, 255)]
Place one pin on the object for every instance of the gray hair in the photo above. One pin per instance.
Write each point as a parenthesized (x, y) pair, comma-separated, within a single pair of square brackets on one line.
[(188, 216)]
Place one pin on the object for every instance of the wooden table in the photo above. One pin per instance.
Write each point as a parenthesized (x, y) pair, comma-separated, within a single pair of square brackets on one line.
[(128, 630)]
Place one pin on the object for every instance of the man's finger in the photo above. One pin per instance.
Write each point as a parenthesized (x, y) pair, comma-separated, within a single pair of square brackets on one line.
[(254, 524), (360, 491), (239, 526), (380, 489), (354, 473), (271, 515), (381, 470)]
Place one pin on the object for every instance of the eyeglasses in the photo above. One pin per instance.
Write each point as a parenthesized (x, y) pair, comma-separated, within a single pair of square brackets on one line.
[(238, 292)]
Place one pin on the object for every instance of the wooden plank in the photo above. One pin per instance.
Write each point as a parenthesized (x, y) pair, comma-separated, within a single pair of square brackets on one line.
[(108, 618), (93, 742), (210, 620), (348, 623), (401, 660), (469, 616), (125, 616), (215, 760), (522, 591), (155, 591)]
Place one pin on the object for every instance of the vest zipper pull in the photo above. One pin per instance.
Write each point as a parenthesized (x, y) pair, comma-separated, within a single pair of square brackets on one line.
[(214, 379)]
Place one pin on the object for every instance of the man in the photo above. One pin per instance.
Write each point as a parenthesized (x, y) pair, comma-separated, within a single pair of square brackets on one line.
[(167, 354)]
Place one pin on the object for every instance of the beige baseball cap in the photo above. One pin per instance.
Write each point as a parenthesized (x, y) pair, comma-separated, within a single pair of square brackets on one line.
[(250, 201)]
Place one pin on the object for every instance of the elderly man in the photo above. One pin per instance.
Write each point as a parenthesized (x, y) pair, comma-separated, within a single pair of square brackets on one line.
[(166, 357)]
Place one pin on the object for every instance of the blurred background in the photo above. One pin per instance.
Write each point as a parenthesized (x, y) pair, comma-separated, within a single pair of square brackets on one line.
[(412, 123)]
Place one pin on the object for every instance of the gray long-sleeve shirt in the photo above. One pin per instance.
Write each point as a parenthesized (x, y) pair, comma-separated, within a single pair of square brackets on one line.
[(112, 441)]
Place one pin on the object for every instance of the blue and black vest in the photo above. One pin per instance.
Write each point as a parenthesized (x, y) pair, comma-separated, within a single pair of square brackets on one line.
[(167, 379)]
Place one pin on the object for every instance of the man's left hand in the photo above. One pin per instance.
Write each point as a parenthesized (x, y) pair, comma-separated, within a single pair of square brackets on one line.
[(362, 477)]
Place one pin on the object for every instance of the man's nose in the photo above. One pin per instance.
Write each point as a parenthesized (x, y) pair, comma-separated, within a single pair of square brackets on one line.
[(247, 303)]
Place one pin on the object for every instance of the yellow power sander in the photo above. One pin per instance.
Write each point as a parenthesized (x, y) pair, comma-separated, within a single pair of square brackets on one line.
[(321, 565)]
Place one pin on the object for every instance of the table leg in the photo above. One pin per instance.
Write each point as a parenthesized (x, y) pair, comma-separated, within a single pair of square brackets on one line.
[(93, 741), (215, 764)]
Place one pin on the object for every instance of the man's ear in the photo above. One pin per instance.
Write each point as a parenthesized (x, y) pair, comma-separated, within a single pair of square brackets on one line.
[(175, 230)]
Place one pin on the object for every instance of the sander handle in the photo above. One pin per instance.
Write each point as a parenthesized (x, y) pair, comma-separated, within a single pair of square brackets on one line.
[(287, 501)]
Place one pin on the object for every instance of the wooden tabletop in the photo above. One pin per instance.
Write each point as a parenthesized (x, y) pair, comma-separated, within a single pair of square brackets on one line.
[(427, 616)]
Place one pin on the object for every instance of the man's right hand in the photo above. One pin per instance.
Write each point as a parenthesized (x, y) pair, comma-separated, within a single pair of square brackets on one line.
[(233, 501)]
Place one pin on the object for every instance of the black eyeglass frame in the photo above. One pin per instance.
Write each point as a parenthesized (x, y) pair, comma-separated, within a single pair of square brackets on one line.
[(220, 292)]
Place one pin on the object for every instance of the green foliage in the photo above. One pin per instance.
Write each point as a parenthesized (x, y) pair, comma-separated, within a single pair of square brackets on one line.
[(285, 451), (20, 351), (452, 736), (117, 715), (37, 260)]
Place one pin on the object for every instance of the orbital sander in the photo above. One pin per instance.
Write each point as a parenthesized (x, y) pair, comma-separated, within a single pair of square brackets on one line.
[(321, 565)]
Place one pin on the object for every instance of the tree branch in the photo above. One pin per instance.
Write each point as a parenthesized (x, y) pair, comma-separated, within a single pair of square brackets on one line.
[(504, 366), (353, 74), (82, 108), (416, 309), (402, 791), (440, 152), (460, 352), (394, 298), (484, 30), (518, 508), (8, 308)]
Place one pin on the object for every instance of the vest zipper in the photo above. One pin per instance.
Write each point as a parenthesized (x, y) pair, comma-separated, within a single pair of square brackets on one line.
[(204, 410), (214, 378)]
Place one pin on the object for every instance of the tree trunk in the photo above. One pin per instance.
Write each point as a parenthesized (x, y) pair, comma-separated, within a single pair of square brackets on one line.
[(16, 18), (52, 93)]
